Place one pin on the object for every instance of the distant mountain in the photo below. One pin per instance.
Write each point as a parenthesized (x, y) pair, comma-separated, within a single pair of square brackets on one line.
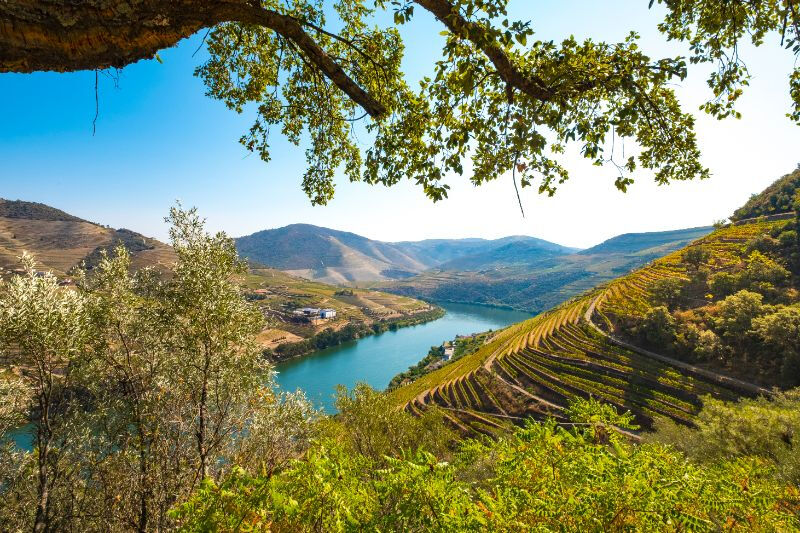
[(323, 254), (519, 276), (634, 243), (332, 256), (61, 241), (517, 251)]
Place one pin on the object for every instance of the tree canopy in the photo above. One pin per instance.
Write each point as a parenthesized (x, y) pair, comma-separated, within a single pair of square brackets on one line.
[(497, 97)]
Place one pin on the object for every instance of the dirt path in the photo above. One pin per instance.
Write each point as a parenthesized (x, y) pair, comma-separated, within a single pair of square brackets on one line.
[(719, 379)]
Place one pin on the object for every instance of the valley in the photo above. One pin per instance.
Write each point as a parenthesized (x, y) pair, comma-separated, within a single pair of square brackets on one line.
[(652, 342), (61, 243)]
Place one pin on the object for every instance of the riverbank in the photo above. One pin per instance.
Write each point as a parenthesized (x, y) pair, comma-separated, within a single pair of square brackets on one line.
[(461, 345), (376, 359), (329, 337)]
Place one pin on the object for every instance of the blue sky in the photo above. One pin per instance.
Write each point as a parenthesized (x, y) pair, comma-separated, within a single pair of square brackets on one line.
[(159, 139)]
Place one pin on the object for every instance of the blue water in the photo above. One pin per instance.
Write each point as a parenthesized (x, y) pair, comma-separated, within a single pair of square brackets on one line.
[(375, 360)]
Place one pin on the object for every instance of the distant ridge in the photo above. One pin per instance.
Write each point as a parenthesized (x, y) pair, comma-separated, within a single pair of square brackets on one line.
[(632, 242), (334, 256), (34, 211)]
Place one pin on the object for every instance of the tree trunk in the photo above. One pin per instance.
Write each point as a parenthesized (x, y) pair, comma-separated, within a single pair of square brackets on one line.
[(43, 437), (97, 34)]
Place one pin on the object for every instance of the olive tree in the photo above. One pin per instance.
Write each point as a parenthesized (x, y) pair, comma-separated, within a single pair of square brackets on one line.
[(143, 385), (44, 332)]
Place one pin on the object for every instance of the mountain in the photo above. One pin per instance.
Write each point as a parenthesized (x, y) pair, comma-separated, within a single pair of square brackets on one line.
[(61, 241), (715, 318), (518, 276), (333, 256), (635, 243)]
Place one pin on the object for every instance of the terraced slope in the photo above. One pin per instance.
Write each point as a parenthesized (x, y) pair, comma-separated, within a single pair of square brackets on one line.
[(534, 368)]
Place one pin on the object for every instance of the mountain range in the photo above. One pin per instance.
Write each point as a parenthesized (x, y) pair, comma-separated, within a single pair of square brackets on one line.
[(333, 256), (518, 271)]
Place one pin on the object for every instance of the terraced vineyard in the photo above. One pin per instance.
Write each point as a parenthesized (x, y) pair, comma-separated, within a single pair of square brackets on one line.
[(534, 368)]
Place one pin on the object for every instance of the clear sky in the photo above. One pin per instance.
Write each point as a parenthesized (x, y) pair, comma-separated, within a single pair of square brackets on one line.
[(159, 138)]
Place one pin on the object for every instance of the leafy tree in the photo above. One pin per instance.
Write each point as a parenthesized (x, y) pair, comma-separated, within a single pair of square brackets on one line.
[(668, 291), (658, 328), (153, 382), (708, 346), (696, 256), (736, 314), (763, 428), (723, 284), (762, 269), (44, 330), (371, 425), (497, 96), (781, 332)]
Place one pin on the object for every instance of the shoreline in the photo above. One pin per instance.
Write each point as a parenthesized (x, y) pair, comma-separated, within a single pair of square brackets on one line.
[(350, 332)]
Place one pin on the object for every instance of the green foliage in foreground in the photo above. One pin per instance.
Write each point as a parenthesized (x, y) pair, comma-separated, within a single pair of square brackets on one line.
[(544, 477), (767, 429)]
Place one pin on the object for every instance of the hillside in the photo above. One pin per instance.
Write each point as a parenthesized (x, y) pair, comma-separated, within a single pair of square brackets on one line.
[(780, 197), (526, 280), (332, 256), (278, 294), (61, 241), (714, 318)]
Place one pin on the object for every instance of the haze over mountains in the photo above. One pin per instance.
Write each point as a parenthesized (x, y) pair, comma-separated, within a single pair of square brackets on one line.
[(517, 271), (332, 256)]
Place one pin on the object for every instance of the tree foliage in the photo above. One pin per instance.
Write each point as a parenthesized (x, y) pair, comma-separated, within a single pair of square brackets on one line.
[(542, 478), (134, 388)]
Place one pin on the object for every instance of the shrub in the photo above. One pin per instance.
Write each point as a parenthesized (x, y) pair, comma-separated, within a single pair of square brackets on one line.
[(658, 327)]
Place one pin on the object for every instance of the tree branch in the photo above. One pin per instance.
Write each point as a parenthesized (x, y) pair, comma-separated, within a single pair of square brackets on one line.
[(448, 15)]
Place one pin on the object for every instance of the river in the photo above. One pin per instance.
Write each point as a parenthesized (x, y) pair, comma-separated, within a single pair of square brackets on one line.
[(377, 359)]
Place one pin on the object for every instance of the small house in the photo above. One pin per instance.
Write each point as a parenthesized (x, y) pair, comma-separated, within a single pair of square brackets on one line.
[(327, 313), (449, 350)]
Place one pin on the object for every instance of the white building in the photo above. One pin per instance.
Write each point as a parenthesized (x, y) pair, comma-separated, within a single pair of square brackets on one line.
[(449, 351), (327, 313)]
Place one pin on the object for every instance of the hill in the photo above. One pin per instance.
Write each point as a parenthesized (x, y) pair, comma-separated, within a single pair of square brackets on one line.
[(359, 312), (636, 243), (61, 241), (523, 278), (780, 197), (332, 256), (718, 317)]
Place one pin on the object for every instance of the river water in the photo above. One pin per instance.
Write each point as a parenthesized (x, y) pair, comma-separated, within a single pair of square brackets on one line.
[(375, 360)]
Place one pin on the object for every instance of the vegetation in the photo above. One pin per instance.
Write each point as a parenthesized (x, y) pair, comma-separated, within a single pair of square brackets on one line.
[(435, 358), (152, 408), (543, 477), (135, 388), (780, 197), (330, 337), (312, 72), (34, 211), (738, 310), (654, 342)]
